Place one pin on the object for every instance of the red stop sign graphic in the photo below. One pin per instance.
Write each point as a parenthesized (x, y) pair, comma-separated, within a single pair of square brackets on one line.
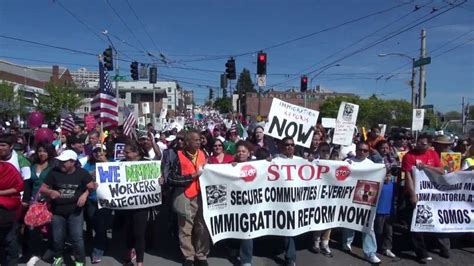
[(342, 173), (248, 173)]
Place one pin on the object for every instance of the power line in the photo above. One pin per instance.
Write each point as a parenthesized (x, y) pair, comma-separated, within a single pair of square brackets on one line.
[(125, 24), (301, 37), (452, 40), (48, 45), (455, 47), (80, 21), (46, 61), (383, 39)]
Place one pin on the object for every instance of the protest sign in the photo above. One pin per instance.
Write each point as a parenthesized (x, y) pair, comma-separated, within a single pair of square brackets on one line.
[(451, 161), (418, 117), (345, 123), (328, 122), (288, 197), (128, 185), (289, 120), (445, 202), (163, 112), (119, 152), (145, 108)]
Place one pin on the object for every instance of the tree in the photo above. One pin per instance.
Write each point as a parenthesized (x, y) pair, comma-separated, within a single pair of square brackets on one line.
[(58, 98), (11, 103), (224, 105), (372, 111), (244, 83)]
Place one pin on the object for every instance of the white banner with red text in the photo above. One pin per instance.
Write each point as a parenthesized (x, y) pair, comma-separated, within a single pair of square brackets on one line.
[(445, 202), (288, 197), (128, 185)]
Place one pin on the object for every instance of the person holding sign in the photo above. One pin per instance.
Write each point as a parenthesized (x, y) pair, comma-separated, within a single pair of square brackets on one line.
[(68, 188), (97, 218), (135, 219), (369, 243), (423, 157), (182, 171)]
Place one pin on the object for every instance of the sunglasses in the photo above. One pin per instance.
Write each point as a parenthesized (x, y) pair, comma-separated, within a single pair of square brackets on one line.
[(289, 144)]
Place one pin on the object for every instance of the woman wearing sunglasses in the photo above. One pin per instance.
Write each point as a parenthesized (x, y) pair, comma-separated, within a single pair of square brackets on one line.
[(218, 154)]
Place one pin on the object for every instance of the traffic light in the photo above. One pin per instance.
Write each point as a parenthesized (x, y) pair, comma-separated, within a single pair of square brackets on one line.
[(153, 74), (134, 70), (230, 69), (108, 59), (262, 63), (211, 94), (223, 81), (304, 83)]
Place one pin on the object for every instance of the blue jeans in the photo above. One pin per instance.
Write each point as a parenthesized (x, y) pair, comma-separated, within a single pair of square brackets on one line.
[(246, 252), (101, 219), (369, 243), (72, 223), (290, 249)]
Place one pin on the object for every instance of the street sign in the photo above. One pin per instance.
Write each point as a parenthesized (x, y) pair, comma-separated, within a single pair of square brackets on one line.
[(422, 62), (261, 80), (120, 78)]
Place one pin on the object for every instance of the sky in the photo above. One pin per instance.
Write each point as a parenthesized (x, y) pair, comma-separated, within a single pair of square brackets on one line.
[(336, 43)]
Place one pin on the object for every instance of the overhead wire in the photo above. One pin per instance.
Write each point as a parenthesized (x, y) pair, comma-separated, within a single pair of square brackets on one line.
[(301, 37), (381, 40)]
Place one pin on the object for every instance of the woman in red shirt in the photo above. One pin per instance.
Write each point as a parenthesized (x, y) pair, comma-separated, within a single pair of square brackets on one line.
[(218, 154)]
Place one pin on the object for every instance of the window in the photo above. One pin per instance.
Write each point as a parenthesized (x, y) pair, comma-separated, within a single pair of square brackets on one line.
[(170, 99), (169, 107), (169, 89), (86, 109)]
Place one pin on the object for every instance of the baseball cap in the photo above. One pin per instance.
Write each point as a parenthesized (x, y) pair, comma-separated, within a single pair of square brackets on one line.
[(67, 155), (170, 138), (99, 146)]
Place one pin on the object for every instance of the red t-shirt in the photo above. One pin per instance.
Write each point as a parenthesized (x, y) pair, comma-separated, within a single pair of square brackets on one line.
[(227, 159), (430, 157)]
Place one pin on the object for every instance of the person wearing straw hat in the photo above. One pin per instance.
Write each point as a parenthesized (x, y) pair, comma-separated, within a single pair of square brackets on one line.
[(442, 143)]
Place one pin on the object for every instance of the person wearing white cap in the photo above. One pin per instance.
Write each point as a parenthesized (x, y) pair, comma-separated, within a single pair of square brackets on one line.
[(68, 187)]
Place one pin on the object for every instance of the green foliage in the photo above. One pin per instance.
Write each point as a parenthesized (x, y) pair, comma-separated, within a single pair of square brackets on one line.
[(58, 98), (11, 104), (224, 105), (372, 111), (244, 83)]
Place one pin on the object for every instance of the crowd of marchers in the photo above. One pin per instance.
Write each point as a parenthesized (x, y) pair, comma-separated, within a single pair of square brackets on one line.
[(62, 174)]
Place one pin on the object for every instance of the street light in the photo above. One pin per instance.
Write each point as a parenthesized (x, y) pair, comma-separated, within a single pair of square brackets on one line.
[(412, 81)]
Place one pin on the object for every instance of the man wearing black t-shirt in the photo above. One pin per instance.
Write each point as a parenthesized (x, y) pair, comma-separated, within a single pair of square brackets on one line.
[(68, 187)]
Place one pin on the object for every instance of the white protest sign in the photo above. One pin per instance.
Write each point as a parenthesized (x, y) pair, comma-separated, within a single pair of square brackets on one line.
[(328, 122), (141, 121), (289, 120), (163, 112), (145, 108), (288, 197), (445, 203), (128, 185), (345, 123), (383, 129), (418, 117)]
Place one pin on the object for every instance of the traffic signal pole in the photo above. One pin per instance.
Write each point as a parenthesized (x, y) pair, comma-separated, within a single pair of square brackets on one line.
[(421, 85)]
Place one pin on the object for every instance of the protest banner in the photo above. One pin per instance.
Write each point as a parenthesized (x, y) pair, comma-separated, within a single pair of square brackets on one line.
[(289, 120), (119, 151), (451, 161), (288, 197), (445, 202), (345, 123), (418, 118), (128, 185)]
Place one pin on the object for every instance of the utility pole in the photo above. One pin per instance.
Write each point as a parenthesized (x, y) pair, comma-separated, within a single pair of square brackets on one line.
[(421, 85), (259, 98), (412, 85), (463, 116)]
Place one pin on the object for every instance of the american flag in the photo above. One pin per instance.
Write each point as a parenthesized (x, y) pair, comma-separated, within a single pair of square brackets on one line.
[(104, 103), (129, 123), (67, 122)]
